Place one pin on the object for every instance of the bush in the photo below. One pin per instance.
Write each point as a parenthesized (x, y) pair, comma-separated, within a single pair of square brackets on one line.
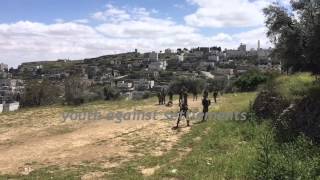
[(269, 105), (40, 93), (293, 105), (111, 93), (250, 80), (74, 90), (89, 96), (147, 95), (192, 85), (299, 159)]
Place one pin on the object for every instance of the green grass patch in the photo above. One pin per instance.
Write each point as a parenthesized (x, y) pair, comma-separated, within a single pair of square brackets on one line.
[(212, 150), (295, 86)]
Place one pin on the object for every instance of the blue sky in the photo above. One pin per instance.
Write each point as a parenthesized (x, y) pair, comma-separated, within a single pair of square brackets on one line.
[(48, 10), (32, 30)]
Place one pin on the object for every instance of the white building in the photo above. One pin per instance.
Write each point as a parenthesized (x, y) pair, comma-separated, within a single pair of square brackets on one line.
[(242, 47), (269, 67), (168, 51), (153, 56), (264, 53), (181, 57), (11, 85), (235, 53), (197, 54), (206, 64), (224, 71), (143, 84), (214, 58), (158, 66), (125, 85)]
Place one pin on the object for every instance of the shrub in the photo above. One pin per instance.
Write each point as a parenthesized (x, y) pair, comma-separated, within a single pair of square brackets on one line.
[(111, 93), (147, 95), (39, 93), (89, 96), (299, 159), (293, 104), (269, 104), (250, 80), (74, 89)]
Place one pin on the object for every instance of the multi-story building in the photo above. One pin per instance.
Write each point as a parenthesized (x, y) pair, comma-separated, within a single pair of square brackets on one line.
[(215, 58), (153, 56), (125, 86), (143, 84), (158, 65), (223, 71), (10, 89), (242, 47), (264, 53), (167, 51)]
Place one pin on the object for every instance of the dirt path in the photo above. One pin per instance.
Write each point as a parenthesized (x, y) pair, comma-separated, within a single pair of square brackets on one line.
[(39, 138)]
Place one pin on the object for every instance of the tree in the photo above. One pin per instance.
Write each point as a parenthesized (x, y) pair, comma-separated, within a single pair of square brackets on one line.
[(74, 90), (110, 93), (296, 33), (192, 85), (39, 93)]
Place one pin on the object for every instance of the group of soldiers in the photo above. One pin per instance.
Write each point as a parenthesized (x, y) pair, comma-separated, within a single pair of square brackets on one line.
[(183, 104)]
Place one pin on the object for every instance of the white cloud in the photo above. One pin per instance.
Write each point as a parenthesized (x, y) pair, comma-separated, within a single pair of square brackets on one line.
[(251, 38), (230, 13), (124, 31), (82, 21), (112, 14)]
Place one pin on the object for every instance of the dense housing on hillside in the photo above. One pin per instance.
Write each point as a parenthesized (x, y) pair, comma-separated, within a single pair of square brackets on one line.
[(135, 72)]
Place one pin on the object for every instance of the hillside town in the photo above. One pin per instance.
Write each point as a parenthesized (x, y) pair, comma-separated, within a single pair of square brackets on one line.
[(183, 89), (136, 74)]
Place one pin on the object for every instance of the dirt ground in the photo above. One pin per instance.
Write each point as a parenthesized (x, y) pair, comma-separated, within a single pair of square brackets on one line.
[(35, 138)]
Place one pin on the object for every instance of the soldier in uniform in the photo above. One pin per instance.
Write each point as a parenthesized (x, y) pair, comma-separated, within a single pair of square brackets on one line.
[(195, 95), (183, 109), (163, 95), (205, 103), (159, 98), (215, 95), (181, 95)]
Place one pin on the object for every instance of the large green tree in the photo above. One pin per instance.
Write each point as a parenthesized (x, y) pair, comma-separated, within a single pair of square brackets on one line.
[(295, 31)]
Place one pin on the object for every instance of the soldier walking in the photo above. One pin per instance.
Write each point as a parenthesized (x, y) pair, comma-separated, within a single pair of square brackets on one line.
[(195, 96), (215, 95), (205, 103), (183, 109), (163, 94), (159, 98)]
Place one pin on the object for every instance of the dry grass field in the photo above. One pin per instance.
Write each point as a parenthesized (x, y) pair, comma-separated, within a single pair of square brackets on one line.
[(37, 143)]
